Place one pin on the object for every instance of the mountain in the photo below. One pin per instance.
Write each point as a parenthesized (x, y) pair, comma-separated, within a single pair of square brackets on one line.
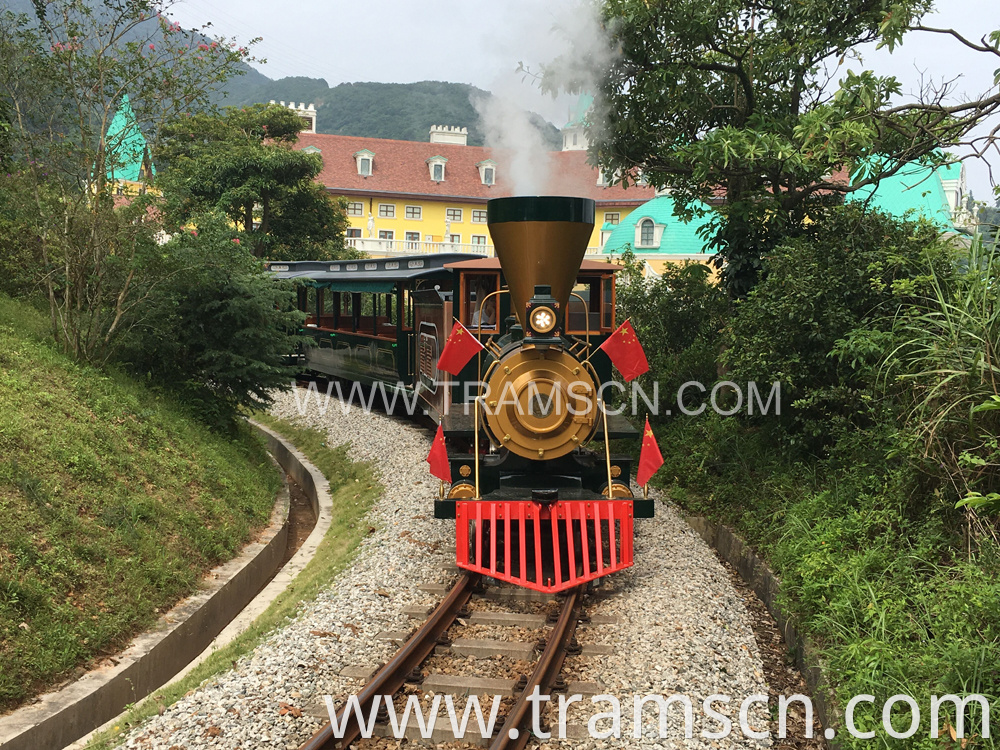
[(403, 111)]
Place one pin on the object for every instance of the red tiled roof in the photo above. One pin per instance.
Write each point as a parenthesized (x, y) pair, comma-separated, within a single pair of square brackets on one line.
[(493, 264), (400, 167)]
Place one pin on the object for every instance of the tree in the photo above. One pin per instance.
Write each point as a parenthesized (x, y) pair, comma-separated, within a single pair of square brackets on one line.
[(736, 97), (242, 163), (64, 76), (218, 326)]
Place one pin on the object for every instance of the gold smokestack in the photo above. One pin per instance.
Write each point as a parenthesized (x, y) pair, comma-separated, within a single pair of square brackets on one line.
[(540, 240)]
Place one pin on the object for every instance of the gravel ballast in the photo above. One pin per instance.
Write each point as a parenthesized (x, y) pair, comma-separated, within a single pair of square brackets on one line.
[(681, 627)]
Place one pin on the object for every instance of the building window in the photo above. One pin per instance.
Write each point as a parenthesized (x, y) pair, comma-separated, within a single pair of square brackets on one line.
[(414, 212), (387, 210), (455, 239), (479, 239), (453, 214), (386, 234), (612, 218), (574, 139), (646, 233), (412, 240), (365, 160), (436, 165), (478, 216), (355, 209), (487, 171), (353, 233)]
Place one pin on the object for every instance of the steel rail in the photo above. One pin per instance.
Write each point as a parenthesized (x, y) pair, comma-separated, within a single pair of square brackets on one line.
[(549, 665), (390, 678)]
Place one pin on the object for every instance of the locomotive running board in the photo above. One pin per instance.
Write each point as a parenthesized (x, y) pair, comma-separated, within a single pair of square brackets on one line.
[(547, 548)]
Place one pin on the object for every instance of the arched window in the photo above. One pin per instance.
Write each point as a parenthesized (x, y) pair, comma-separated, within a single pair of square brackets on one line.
[(646, 232)]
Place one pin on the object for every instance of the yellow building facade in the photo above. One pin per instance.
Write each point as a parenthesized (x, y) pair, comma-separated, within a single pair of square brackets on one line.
[(408, 197)]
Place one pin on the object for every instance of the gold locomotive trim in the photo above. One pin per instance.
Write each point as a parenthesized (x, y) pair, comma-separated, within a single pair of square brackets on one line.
[(541, 402), (462, 491), (618, 490)]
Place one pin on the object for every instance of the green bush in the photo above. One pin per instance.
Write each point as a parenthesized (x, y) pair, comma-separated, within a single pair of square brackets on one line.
[(678, 317), (216, 328), (850, 272), (945, 372)]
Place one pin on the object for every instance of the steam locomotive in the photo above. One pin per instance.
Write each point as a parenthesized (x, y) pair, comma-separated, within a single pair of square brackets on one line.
[(537, 496)]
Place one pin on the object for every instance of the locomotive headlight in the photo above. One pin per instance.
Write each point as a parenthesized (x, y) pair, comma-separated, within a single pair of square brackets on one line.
[(543, 319)]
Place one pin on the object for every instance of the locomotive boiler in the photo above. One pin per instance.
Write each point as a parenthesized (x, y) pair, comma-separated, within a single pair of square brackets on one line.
[(539, 499)]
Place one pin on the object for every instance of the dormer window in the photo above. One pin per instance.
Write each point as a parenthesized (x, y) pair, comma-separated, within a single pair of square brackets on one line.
[(487, 171), (365, 160), (436, 165), (311, 150), (648, 233)]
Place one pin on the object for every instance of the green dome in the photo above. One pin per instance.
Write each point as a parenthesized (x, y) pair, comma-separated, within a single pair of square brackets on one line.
[(915, 190), (677, 238)]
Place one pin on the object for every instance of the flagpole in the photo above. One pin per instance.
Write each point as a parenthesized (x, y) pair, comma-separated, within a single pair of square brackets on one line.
[(475, 427), (607, 447)]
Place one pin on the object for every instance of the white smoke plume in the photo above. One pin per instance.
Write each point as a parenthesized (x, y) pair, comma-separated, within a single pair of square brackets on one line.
[(565, 50), (507, 129)]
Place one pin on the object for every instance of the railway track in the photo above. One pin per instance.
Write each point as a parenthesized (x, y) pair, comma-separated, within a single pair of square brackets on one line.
[(389, 680)]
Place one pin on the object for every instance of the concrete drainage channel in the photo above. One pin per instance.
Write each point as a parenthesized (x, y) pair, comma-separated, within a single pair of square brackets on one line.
[(188, 633)]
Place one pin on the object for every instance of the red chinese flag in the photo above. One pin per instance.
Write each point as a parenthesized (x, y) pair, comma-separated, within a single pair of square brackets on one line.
[(625, 352), (650, 459), (460, 347), (438, 457)]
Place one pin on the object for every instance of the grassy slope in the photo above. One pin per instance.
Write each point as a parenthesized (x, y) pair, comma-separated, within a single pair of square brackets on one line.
[(881, 584), (113, 504), (353, 489)]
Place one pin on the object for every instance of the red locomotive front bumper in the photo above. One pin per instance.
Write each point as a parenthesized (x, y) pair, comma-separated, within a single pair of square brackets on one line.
[(547, 548)]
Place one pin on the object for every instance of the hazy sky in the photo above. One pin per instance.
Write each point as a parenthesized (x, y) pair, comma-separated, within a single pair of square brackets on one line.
[(481, 42)]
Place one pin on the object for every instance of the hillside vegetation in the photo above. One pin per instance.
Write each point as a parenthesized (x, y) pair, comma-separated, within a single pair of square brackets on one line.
[(871, 485), (114, 504), (402, 111)]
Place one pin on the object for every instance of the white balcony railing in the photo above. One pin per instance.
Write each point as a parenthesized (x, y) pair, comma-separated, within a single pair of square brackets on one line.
[(385, 248)]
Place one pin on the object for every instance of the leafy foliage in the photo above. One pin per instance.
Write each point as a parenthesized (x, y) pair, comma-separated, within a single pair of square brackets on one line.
[(64, 74), (947, 370), (678, 317), (242, 163), (844, 278), (733, 97), (216, 329), (883, 336)]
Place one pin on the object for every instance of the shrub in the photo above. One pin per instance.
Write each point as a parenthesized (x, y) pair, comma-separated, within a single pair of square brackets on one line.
[(946, 370), (217, 327), (850, 272), (678, 317)]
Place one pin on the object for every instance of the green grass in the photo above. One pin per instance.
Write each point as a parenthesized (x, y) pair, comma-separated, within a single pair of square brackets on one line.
[(113, 501), (872, 569), (353, 489)]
